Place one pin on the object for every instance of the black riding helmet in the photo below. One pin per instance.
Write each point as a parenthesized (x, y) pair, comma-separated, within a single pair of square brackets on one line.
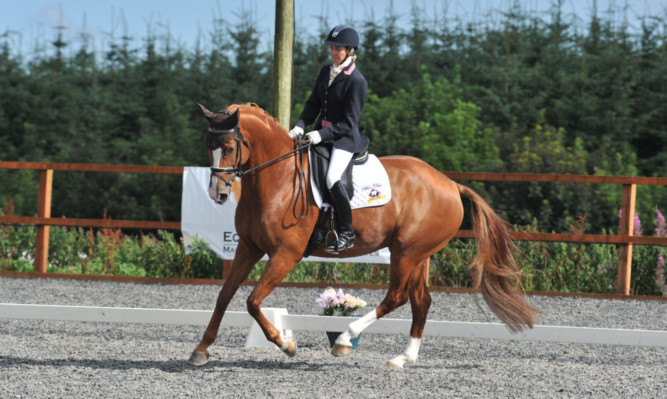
[(344, 36)]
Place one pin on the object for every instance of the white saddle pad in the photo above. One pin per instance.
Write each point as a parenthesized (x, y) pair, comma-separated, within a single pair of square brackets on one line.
[(371, 185)]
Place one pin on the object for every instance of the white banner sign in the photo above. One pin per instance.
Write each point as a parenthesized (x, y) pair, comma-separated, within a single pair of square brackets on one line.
[(201, 218)]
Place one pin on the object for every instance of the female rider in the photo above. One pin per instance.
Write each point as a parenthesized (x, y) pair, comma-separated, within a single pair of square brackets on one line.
[(336, 101)]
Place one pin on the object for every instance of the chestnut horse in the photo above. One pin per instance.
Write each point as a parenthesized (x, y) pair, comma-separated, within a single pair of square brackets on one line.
[(276, 215)]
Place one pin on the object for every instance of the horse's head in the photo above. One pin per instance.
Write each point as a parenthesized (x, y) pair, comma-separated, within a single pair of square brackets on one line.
[(224, 143)]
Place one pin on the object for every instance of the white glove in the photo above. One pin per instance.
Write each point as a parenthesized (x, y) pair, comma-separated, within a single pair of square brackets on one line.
[(314, 137), (295, 132)]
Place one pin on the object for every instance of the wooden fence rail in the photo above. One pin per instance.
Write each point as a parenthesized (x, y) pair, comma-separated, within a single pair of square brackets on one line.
[(625, 239)]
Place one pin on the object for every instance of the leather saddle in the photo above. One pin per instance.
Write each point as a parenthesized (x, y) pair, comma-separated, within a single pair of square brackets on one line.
[(320, 164)]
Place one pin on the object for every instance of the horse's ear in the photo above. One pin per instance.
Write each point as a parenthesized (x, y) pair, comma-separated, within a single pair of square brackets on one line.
[(234, 118), (208, 114)]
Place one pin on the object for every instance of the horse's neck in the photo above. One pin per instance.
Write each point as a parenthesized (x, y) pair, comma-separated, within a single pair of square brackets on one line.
[(271, 180), (267, 146)]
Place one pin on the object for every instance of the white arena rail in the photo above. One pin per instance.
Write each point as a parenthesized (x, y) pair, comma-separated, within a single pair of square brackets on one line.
[(282, 320)]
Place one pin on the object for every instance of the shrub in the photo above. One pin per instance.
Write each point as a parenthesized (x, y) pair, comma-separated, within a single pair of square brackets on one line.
[(547, 266)]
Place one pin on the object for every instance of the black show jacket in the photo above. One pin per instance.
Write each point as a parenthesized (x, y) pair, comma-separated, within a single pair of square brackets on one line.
[(340, 104)]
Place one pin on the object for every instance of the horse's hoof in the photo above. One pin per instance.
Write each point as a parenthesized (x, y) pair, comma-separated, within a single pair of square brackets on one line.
[(340, 350), (198, 358), (394, 366), (291, 348)]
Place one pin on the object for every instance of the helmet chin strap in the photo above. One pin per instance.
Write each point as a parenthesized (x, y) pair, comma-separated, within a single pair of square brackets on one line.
[(349, 54)]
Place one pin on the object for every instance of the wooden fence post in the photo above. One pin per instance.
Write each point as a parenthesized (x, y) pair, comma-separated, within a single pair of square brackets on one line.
[(282, 61), (44, 211), (627, 229)]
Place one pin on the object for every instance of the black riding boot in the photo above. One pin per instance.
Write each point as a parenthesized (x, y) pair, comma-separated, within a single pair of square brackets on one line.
[(341, 204)]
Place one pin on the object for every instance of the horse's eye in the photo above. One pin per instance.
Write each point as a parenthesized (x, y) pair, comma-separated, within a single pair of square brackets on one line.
[(229, 150)]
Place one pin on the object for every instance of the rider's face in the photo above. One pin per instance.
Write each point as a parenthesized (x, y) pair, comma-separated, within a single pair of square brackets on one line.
[(337, 53)]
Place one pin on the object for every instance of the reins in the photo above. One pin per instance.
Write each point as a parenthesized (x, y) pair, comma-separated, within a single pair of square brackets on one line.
[(239, 172)]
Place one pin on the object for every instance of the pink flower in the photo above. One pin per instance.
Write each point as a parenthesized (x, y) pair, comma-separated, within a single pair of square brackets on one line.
[(337, 303), (638, 226), (327, 299), (604, 268), (660, 227)]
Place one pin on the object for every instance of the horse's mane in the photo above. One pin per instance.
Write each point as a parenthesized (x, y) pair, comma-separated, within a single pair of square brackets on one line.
[(258, 112)]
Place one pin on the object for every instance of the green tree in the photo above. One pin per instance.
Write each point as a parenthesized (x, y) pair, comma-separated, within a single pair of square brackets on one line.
[(432, 122)]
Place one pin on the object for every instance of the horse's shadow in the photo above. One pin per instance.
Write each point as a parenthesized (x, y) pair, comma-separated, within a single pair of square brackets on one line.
[(168, 366)]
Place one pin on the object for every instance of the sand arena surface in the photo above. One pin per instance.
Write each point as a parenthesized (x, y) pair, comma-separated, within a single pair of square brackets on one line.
[(54, 359)]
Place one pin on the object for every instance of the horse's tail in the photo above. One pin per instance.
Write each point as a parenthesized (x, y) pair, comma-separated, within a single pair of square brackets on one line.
[(493, 270)]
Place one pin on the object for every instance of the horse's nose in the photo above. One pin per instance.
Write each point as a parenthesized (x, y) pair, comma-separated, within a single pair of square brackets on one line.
[(222, 198)]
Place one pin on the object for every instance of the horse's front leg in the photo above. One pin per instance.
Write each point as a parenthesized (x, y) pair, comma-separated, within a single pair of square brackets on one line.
[(244, 260), (277, 268)]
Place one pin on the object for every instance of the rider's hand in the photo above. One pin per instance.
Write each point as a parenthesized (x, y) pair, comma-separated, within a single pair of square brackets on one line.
[(314, 137), (295, 132)]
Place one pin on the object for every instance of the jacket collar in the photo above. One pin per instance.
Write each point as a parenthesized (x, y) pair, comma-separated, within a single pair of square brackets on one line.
[(347, 71)]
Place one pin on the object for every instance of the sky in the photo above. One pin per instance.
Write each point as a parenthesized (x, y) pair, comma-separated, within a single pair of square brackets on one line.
[(23, 22)]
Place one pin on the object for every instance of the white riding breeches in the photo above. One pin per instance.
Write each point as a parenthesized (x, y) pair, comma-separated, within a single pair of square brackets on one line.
[(338, 162)]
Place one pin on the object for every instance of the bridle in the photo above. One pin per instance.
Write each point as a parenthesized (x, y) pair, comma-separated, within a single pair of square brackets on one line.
[(238, 170)]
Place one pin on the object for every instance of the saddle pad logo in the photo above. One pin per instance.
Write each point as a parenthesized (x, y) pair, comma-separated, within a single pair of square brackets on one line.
[(374, 195)]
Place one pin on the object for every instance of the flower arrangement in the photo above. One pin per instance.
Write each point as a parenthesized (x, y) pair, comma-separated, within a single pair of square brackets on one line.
[(337, 303)]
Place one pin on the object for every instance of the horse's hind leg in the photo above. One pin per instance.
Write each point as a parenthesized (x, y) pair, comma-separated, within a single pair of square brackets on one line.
[(420, 302), (244, 260), (397, 296)]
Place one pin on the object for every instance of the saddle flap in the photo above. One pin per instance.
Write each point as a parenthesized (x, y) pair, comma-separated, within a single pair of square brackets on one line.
[(319, 164)]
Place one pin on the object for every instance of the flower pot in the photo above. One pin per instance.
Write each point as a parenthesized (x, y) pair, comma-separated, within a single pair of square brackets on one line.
[(332, 335)]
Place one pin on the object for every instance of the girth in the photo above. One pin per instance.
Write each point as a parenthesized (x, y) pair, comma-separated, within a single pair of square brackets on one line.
[(319, 164)]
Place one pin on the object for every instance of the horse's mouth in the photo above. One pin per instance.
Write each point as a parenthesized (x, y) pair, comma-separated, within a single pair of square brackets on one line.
[(222, 198)]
